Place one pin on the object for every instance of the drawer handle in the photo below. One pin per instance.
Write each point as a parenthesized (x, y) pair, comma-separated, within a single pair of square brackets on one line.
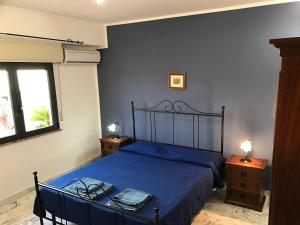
[(243, 174), (243, 196), (243, 185)]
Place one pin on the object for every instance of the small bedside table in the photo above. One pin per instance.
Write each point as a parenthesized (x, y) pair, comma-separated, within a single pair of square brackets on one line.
[(245, 182), (109, 144)]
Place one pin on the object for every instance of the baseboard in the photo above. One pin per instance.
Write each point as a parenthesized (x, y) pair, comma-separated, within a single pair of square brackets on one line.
[(20, 194)]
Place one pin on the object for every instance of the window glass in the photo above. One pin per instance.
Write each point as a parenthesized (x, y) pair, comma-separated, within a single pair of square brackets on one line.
[(35, 96), (7, 124), (28, 104)]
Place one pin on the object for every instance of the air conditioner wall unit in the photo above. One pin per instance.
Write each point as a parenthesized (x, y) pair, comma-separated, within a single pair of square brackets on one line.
[(81, 56)]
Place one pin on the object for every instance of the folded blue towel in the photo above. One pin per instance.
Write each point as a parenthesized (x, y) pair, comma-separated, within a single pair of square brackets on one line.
[(130, 199), (119, 205), (83, 184), (88, 188), (100, 192)]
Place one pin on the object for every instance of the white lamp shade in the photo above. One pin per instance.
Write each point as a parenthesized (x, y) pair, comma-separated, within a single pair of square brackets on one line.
[(113, 127), (246, 146)]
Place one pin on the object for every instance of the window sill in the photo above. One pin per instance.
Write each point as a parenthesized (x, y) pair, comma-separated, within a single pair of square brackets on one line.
[(29, 138)]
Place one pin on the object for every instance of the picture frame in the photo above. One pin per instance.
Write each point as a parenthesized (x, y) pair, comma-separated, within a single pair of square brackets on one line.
[(177, 81)]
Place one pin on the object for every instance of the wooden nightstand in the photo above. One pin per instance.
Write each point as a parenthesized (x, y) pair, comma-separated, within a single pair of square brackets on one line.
[(245, 182), (109, 144)]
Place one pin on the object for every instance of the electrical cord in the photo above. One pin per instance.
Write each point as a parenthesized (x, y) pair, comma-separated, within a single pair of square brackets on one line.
[(87, 194)]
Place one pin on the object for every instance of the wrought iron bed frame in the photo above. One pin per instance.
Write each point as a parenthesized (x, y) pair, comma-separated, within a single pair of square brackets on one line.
[(119, 212), (168, 107), (178, 108)]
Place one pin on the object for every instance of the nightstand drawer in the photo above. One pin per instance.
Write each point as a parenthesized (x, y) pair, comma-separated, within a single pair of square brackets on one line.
[(243, 174), (111, 147), (106, 151), (245, 186), (111, 144), (243, 197)]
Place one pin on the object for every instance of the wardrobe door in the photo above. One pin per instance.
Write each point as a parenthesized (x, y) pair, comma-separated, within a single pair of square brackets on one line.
[(285, 188)]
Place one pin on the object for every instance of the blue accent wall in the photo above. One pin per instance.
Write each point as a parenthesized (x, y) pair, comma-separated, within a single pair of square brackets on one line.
[(228, 61)]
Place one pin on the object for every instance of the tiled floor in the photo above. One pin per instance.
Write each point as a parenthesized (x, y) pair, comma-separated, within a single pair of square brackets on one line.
[(215, 212)]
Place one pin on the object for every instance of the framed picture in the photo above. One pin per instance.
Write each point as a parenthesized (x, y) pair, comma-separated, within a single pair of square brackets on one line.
[(177, 81)]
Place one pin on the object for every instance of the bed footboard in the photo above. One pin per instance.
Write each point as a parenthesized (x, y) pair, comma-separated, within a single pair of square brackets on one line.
[(40, 211)]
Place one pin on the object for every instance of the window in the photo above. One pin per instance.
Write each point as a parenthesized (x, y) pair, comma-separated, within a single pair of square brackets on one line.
[(28, 104), (7, 122)]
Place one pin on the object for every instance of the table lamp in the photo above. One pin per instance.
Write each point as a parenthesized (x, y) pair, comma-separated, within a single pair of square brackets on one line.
[(246, 146), (113, 128)]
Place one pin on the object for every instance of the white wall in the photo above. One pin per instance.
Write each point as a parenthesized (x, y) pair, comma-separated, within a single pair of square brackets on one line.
[(55, 153), (58, 152), (28, 22)]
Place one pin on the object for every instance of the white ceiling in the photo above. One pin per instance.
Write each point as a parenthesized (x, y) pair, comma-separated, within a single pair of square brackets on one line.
[(124, 11)]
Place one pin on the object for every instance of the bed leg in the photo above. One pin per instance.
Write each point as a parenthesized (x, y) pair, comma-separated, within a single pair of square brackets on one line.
[(133, 121), (156, 209), (222, 130), (53, 220), (37, 190)]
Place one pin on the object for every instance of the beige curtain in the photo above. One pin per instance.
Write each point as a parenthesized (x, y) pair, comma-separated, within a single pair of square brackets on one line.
[(16, 50)]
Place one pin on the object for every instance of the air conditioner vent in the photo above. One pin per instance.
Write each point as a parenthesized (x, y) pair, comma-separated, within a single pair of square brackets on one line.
[(81, 56)]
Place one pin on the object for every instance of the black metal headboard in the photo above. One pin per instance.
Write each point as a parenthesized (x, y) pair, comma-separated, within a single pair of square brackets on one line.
[(173, 108)]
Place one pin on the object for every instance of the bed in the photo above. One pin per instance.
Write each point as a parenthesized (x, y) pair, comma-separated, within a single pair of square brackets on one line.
[(180, 178)]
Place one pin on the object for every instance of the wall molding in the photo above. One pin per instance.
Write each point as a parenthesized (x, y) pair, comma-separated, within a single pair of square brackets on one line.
[(198, 12)]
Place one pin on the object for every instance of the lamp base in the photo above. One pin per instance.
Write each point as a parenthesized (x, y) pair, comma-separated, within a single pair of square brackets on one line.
[(245, 160)]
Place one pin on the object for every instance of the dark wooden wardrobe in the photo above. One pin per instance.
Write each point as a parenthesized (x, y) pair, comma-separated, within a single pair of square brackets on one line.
[(285, 189)]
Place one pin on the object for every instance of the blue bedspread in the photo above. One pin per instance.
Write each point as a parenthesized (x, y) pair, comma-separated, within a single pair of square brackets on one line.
[(180, 179)]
